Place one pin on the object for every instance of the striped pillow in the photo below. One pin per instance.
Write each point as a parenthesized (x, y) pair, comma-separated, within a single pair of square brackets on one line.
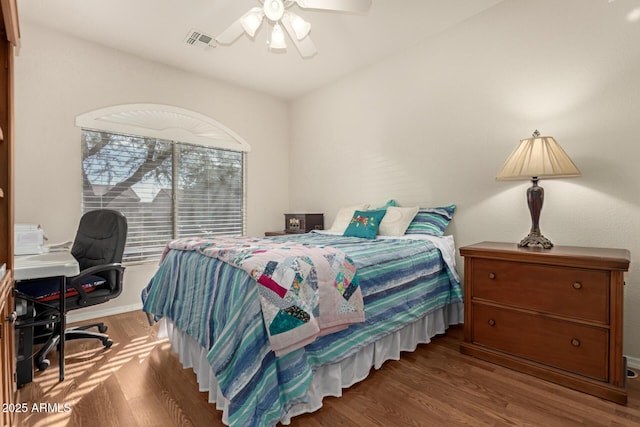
[(432, 221)]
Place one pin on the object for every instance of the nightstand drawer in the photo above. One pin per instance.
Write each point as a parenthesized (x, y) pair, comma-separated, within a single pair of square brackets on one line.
[(571, 292), (565, 345)]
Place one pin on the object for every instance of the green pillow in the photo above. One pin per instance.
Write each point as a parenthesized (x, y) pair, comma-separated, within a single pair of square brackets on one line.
[(389, 203), (365, 224)]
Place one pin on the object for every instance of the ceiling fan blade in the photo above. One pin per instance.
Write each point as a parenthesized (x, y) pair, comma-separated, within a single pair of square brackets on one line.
[(306, 47), (230, 35), (340, 5)]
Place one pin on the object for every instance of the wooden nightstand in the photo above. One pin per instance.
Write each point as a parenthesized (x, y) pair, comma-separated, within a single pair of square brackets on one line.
[(552, 313)]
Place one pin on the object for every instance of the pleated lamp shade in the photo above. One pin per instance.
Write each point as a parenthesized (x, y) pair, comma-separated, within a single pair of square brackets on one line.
[(539, 157)]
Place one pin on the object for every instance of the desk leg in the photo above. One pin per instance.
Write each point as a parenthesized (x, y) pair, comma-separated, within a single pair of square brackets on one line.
[(63, 322)]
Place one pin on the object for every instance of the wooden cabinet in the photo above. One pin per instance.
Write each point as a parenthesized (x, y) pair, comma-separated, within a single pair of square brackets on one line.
[(9, 39), (7, 348), (553, 313)]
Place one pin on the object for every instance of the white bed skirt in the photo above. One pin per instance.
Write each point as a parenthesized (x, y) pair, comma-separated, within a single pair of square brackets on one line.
[(328, 380)]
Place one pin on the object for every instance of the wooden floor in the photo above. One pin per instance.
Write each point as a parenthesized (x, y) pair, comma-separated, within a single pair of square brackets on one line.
[(139, 382)]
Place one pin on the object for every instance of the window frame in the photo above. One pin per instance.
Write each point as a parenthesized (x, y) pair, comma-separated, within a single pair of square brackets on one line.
[(172, 124)]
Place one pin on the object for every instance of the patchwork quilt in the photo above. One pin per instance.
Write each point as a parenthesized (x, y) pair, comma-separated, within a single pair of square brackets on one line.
[(305, 290)]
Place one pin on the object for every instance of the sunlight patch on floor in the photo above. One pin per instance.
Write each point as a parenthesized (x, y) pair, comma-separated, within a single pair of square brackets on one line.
[(87, 367)]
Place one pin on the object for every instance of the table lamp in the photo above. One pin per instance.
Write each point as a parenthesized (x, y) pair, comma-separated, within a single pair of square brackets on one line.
[(535, 158)]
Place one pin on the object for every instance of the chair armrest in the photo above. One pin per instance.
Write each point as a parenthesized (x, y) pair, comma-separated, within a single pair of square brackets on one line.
[(76, 281)]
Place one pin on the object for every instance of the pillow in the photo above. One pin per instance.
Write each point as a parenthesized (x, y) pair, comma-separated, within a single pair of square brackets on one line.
[(396, 221), (365, 224), (343, 217), (432, 221)]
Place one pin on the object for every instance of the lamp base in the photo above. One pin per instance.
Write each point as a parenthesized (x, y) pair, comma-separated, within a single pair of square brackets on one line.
[(535, 197), (535, 239)]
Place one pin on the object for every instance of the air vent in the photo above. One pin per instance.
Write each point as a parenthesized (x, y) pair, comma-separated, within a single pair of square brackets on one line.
[(199, 39)]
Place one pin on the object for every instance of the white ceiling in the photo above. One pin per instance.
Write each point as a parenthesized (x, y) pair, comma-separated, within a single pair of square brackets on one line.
[(156, 30)]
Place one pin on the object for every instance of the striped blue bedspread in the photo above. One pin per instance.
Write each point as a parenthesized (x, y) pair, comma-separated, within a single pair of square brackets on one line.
[(218, 305)]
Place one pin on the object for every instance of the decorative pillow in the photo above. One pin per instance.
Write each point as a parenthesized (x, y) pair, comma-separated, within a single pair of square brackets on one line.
[(343, 217), (365, 224), (431, 221), (396, 221)]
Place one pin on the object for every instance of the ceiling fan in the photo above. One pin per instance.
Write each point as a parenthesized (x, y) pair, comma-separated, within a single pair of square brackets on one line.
[(278, 15)]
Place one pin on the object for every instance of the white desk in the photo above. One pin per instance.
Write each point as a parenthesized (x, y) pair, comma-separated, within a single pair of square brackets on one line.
[(51, 264), (59, 265)]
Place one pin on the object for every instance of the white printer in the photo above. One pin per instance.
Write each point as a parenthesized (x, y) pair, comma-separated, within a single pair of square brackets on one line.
[(28, 239)]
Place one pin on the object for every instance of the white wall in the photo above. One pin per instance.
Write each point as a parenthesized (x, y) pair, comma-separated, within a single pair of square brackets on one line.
[(58, 78), (433, 125)]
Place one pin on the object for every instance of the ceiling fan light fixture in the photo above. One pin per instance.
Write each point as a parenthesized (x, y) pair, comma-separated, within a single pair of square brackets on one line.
[(252, 20), (274, 9), (285, 21), (277, 38), (300, 27)]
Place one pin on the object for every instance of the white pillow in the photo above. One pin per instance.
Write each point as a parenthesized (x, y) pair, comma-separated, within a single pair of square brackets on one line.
[(343, 217), (396, 220)]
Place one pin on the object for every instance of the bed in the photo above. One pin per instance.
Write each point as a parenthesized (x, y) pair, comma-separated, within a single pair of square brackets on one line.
[(211, 312)]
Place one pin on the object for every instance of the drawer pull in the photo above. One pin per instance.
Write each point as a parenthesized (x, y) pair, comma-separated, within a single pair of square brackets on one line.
[(577, 285), (491, 322), (575, 342), (492, 276)]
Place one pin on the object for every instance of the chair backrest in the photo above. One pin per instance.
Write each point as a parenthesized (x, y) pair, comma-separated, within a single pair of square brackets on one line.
[(101, 237)]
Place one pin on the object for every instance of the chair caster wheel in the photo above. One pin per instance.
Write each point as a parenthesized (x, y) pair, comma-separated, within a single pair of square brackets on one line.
[(107, 343), (102, 329), (43, 365)]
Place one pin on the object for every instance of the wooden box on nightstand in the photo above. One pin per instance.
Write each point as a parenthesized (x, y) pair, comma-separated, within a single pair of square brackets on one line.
[(303, 223), (552, 313), (299, 223)]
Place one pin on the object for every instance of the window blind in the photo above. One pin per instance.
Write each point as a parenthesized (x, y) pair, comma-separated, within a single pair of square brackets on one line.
[(209, 191), (165, 189)]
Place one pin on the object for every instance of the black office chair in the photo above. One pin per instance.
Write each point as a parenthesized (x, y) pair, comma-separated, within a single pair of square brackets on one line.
[(98, 247)]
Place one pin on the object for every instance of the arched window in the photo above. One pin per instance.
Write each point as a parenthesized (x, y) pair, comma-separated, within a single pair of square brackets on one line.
[(172, 172)]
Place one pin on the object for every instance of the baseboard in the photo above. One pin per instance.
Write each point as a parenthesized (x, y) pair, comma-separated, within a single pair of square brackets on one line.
[(95, 314), (633, 362)]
